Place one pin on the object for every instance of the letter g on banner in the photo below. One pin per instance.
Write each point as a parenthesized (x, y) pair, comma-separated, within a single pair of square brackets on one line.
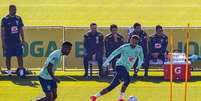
[(177, 70)]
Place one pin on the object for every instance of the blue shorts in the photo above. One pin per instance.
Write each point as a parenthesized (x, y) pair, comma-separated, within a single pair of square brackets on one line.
[(14, 51), (47, 85), (121, 75)]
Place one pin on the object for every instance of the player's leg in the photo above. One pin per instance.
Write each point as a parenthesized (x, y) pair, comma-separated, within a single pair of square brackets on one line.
[(106, 90), (19, 54), (162, 57), (48, 97), (99, 58), (86, 64), (8, 65), (54, 90), (8, 52), (135, 75), (146, 65), (20, 61), (55, 94), (115, 82), (47, 89), (126, 78)]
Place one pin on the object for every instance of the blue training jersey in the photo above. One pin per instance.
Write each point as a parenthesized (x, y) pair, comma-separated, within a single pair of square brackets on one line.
[(12, 26)]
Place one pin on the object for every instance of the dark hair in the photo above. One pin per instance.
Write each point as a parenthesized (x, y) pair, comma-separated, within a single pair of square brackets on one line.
[(135, 37), (136, 24), (159, 27), (113, 26), (93, 23), (12, 5), (67, 43)]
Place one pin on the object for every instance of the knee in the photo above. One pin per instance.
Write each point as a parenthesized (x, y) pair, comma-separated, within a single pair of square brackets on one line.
[(55, 97), (126, 83), (49, 98)]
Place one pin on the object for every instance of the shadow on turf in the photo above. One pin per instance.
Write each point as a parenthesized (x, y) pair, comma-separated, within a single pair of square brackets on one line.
[(108, 79), (27, 81), (30, 80)]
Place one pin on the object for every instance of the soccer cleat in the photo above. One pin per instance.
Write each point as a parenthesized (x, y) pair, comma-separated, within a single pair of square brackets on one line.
[(121, 100), (93, 98)]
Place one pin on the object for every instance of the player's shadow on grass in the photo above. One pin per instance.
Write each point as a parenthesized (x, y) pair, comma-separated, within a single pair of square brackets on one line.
[(27, 81), (155, 79), (159, 79), (108, 79), (81, 78), (31, 80)]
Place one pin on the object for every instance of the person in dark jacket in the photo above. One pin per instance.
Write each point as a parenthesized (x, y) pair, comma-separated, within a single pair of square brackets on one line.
[(158, 45), (93, 47), (113, 41), (143, 43)]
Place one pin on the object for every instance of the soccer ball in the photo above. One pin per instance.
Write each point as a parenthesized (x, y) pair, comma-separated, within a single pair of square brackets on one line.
[(21, 72), (132, 98)]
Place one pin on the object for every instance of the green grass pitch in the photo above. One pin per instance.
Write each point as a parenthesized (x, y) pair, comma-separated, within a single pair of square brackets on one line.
[(104, 12), (74, 88)]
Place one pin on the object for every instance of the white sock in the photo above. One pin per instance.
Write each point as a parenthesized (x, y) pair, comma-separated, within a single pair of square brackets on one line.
[(98, 95), (9, 72), (21, 72), (121, 96)]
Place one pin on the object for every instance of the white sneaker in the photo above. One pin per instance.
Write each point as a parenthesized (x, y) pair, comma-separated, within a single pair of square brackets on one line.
[(9, 72)]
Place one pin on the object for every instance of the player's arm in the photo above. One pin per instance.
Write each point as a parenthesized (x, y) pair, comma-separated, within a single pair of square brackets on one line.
[(129, 37), (122, 39), (150, 45), (165, 44), (145, 38), (86, 43), (140, 59), (22, 34), (101, 42), (107, 46), (3, 34), (3, 37), (22, 31), (112, 55), (49, 69)]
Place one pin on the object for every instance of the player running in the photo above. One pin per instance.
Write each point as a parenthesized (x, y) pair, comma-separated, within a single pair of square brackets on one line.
[(129, 53), (47, 78)]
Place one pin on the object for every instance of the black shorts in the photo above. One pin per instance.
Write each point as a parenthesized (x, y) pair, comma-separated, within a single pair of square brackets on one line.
[(13, 51), (121, 75)]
